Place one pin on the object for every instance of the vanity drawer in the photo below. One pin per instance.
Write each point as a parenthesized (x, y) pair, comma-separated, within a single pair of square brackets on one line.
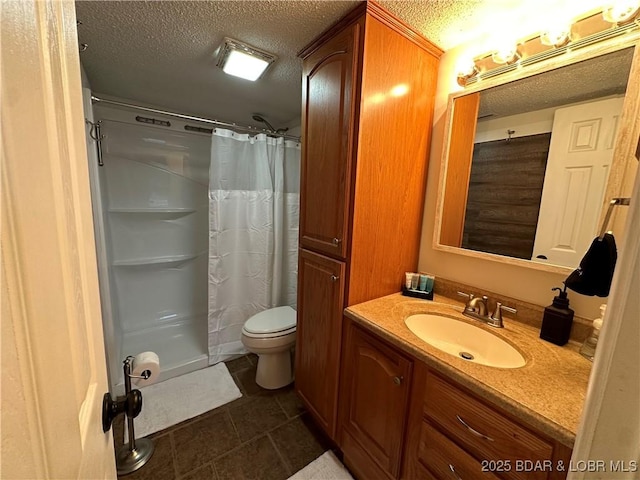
[(445, 460), (482, 431)]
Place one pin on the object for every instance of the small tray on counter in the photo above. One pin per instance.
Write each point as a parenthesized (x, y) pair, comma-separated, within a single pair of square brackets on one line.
[(409, 292)]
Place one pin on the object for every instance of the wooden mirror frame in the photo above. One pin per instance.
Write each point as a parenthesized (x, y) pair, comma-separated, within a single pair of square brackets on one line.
[(626, 145)]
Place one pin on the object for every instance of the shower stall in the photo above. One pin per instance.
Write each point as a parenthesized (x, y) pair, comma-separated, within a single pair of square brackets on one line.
[(150, 202), (188, 251)]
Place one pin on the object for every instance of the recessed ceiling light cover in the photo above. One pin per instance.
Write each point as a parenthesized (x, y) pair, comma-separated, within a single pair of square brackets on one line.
[(242, 60)]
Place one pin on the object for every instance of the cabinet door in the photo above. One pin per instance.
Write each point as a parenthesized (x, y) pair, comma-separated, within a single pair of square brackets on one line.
[(318, 338), (375, 388), (328, 96)]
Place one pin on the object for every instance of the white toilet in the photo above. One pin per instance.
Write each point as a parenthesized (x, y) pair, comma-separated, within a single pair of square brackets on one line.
[(271, 335)]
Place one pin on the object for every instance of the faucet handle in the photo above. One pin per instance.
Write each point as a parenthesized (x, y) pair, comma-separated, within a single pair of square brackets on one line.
[(505, 308), (496, 317), (469, 296)]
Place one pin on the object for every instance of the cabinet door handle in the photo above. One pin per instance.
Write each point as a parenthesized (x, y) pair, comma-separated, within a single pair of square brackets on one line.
[(336, 241), (334, 278), (398, 380), (472, 430), (455, 474)]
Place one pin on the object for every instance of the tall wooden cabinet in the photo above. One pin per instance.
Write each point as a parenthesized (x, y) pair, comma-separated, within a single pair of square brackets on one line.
[(368, 92)]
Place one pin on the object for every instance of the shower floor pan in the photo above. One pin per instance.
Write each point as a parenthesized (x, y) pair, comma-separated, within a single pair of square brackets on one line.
[(181, 347)]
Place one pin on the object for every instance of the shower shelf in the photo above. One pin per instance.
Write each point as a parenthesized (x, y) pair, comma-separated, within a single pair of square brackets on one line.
[(166, 260), (178, 212), (150, 325)]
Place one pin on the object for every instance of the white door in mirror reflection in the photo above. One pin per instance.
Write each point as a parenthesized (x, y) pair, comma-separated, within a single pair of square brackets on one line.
[(578, 166)]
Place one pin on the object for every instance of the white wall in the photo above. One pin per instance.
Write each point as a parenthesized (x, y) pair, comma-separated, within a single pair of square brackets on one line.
[(523, 124)]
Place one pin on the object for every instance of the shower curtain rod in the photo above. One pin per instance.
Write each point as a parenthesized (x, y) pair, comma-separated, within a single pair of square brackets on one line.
[(246, 128)]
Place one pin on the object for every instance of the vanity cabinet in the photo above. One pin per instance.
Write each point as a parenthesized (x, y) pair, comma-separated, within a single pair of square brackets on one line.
[(368, 91), (452, 430), (399, 419), (376, 379)]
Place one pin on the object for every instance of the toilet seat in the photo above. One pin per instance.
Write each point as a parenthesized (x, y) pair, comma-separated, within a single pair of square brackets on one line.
[(288, 331), (274, 322)]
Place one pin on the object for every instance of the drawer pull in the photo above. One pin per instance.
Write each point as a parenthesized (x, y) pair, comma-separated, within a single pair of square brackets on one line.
[(336, 241), (397, 380), (475, 432), (455, 474), (334, 278)]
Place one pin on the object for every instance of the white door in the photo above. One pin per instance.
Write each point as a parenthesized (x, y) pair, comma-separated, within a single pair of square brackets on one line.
[(575, 180), (53, 361)]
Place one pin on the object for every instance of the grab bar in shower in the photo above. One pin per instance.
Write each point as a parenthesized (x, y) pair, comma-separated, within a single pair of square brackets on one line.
[(96, 134)]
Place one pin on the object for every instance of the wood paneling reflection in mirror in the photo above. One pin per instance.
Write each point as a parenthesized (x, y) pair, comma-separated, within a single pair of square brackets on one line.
[(503, 201)]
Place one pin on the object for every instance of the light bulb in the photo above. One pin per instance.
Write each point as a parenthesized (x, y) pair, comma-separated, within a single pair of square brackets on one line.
[(467, 69), (556, 35), (506, 54), (621, 12)]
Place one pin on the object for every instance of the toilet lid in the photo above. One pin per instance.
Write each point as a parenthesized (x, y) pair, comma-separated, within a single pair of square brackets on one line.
[(272, 320)]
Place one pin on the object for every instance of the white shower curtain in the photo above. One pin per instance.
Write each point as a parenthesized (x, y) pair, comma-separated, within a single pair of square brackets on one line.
[(254, 194)]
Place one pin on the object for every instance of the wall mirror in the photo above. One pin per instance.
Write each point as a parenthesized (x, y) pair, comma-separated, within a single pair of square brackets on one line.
[(527, 163)]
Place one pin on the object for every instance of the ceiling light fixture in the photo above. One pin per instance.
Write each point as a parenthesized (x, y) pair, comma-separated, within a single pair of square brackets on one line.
[(560, 37), (241, 60)]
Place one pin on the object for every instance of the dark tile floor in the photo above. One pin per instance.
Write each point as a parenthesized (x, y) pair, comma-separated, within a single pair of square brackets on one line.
[(263, 435)]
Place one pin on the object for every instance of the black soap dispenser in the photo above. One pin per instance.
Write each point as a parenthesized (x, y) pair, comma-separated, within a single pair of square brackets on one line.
[(557, 319)]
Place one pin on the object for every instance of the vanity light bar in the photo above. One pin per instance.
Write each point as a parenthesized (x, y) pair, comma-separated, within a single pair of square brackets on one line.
[(592, 39)]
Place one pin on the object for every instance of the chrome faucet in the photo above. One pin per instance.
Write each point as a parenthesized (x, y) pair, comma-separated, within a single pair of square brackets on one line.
[(476, 307)]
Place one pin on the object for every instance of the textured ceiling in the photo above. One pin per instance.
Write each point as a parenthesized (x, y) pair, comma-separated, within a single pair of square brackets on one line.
[(587, 80), (163, 53)]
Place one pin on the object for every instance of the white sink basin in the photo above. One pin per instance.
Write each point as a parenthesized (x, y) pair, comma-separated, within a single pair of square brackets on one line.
[(464, 340)]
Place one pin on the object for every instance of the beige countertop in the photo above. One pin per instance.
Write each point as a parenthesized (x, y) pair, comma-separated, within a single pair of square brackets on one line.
[(548, 392)]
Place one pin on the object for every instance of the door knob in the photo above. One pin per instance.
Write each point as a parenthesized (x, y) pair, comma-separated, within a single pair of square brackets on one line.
[(334, 278), (131, 404), (397, 380), (336, 241)]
